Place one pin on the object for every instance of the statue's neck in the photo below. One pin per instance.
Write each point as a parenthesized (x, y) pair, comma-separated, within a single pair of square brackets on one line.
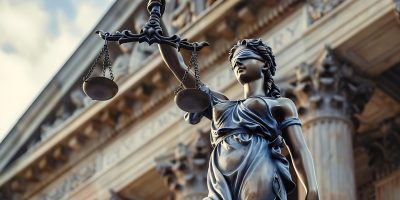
[(254, 88)]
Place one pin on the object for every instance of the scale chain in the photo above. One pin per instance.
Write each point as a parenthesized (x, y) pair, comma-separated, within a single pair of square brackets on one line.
[(192, 63), (107, 63), (104, 61), (180, 87), (93, 65), (195, 64)]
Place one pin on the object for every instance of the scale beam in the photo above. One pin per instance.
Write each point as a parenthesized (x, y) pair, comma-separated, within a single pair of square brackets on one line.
[(152, 32)]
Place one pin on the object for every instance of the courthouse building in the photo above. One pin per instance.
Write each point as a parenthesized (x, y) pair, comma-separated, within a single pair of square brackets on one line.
[(338, 60)]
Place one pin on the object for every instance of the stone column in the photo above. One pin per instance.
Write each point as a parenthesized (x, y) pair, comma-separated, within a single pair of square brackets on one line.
[(327, 95), (185, 168)]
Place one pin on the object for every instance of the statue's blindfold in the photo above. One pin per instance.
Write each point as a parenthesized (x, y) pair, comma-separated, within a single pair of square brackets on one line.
[(245, 54)]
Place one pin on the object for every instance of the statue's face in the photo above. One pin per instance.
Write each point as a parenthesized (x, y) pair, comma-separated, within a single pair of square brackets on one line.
[(247, 66)]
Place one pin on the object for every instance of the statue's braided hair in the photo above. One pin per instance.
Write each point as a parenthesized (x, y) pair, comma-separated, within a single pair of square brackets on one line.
[(265, 52)]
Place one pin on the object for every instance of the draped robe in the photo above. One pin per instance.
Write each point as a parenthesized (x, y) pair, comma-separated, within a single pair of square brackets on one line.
[(246, 162)]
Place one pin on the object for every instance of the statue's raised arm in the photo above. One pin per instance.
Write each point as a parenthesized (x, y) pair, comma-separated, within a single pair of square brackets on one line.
[(174, 61)]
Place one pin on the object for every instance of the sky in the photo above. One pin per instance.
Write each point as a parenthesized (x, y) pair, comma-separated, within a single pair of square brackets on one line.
[(36, 39)]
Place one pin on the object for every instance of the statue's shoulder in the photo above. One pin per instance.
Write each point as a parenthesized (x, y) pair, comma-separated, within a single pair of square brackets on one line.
[(213, 93), (219, 95), (284, 101), (285, 106)]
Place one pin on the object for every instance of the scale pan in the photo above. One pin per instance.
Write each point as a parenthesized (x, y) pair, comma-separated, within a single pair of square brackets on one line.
[(192, 100), (100, 88)]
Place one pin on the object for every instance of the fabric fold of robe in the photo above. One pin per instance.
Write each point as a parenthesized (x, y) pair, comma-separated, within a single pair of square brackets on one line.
[(246, 162)]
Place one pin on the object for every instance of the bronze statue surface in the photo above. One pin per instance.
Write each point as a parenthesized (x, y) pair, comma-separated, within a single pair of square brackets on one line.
[(248, 134)]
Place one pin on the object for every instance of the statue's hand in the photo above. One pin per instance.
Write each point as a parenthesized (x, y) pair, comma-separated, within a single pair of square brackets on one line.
[(312, 195)]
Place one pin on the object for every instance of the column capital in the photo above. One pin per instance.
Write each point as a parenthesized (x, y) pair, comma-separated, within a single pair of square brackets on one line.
[(185, 168), (330, 88), (382, 146)]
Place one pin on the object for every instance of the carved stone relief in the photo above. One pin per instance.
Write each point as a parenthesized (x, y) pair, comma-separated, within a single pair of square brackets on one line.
[(382, 146), (73, 181), (185, 12), (77, 98), (318, 8), (185, 169), (60, 115), (45, 128), (281, 38), (120, 65)]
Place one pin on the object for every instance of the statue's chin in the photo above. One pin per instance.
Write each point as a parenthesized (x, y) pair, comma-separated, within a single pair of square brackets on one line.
[(243, 79)]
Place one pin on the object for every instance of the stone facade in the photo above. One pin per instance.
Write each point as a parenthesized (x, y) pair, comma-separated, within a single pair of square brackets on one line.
[(338, 60)]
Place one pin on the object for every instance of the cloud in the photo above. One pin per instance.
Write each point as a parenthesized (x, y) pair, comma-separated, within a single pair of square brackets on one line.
[(16, 90), (30, 55), (23, 25)]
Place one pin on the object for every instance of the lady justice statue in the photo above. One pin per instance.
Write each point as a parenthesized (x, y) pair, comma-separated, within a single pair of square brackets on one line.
[(248, 134)]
